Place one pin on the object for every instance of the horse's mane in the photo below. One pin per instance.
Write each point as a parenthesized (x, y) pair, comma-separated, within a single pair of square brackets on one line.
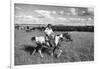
[(58, 34), (65, 34)]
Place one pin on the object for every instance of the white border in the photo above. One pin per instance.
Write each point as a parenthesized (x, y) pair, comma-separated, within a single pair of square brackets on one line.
[(44, 2), (12, 35), (39, 66)]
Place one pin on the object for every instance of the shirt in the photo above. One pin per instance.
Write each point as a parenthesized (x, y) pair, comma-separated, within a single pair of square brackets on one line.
[(48, 31)]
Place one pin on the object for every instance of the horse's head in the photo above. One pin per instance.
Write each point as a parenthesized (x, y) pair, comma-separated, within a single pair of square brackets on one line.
[(33, 38), (67, 37), (60, 36)]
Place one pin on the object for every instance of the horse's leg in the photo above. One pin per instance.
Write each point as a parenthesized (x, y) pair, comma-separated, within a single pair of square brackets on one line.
[(53, 50), (54, 47), (48, 44), (34, 52), (40, 52), (52, 54), (39, 48), (59, 53)]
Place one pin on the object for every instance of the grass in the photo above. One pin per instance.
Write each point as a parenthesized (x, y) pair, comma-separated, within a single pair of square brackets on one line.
[(81, 49)]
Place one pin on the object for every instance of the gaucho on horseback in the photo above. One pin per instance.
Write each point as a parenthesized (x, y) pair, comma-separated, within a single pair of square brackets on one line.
[(49, 35)]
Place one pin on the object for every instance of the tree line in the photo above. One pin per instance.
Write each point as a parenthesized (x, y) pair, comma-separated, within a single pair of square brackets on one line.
[(60, 28)]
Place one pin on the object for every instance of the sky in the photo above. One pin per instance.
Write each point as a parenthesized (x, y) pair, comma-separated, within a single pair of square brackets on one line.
[(49, 14)]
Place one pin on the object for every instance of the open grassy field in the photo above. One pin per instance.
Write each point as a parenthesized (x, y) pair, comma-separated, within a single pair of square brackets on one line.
[(81, 49)]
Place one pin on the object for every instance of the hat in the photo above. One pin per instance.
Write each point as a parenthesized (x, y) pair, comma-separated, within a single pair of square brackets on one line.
[(48, 25)]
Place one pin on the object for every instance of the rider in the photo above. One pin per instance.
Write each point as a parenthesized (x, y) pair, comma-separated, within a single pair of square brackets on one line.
[(49, 34)]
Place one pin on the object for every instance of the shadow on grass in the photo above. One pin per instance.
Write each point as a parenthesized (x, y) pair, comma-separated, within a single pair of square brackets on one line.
[(30, 49)]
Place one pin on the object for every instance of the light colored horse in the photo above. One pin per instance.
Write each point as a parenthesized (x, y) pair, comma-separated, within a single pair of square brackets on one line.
[(40, 42), (58, 39)]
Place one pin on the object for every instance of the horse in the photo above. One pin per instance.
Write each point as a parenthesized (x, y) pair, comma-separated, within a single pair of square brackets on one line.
[(40, 42), (59, 38), (53, 45)]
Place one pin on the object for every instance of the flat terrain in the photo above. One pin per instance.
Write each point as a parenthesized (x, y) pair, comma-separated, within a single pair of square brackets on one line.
[(81, 49)]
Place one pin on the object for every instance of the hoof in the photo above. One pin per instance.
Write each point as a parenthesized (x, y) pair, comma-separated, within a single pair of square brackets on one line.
[(41, 56)]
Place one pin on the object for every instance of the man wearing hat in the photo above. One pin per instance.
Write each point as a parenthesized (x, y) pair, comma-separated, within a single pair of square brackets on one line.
[(49, 35)]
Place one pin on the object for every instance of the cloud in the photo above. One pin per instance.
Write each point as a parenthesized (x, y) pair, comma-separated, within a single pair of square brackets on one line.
[(48, 16), (90, 10), (24, 16), (61, 18), (62, 12), (45, 13), (53, 12), (26, 19)]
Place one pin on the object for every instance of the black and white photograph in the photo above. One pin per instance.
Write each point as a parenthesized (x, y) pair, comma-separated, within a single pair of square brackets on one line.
[(46, 34)]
